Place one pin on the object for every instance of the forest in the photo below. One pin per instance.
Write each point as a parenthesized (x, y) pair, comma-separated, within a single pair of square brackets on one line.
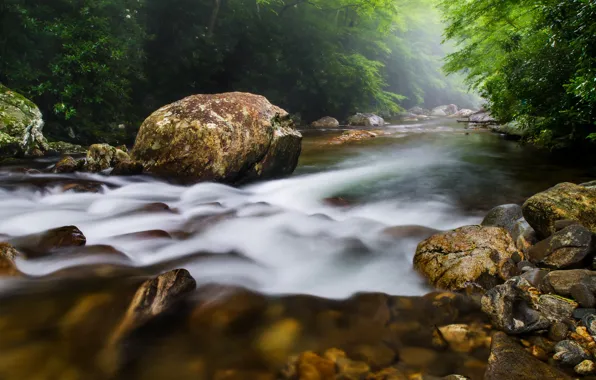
[(93, 65)]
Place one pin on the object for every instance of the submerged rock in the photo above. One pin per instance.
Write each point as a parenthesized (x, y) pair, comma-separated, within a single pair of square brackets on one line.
[(366, 120), (468, 256), (325, 122), (565, 201), (67, 165), (21, 125), (227, 137), (352, 136), (508, 360), (46, 243)]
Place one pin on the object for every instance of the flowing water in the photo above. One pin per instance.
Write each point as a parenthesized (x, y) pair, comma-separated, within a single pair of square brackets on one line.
[(291, 235), (347, 221)]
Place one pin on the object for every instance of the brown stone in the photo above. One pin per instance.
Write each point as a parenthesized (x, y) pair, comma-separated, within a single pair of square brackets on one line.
[(8, 254), (48, 242), (454, 260), (313, 367), (352, 136), (66, 164)]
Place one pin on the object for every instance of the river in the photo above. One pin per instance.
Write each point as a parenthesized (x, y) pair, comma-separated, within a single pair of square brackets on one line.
[(347, 221)]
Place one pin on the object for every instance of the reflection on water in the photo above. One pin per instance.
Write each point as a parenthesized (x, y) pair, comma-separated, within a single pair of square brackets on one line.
[(347, 222)]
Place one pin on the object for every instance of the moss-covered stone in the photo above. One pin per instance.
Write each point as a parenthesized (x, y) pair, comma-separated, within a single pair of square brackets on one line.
[(227, 137), (103, 156), (21, 125), (62, 147)]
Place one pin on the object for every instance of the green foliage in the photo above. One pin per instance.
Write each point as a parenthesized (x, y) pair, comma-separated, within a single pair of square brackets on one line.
[(91, 65), (532, 60)]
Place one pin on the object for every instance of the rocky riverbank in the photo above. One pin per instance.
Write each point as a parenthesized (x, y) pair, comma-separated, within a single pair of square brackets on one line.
[(531, 270)]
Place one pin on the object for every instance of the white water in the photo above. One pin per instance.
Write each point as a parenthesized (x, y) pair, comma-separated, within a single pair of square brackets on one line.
[(296, 241)]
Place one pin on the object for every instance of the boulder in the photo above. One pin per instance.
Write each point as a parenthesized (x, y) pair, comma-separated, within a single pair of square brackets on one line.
[(352, 136), (482, 116), (61, 147), (438, 111), (565, 201), (419, 111), (103, 156), (505, 216), (565, 248), (128, 167), (228, 137), (562, 281), (445, 110), (366, 120), (325, 122), (21, 125), (464, 112), (508, 360), (510, 307), (67, 164), (467, 256)]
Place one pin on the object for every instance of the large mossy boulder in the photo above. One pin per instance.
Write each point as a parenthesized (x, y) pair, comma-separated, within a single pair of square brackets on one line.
[(21, 125), (468, 257), (565, 201), (230, 137)]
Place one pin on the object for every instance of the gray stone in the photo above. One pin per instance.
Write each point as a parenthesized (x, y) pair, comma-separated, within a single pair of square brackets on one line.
[(565, 248), (325, 122), (558, 331), (570, 353), (561, 281), (505, 216), (583, 295), (366, 120)]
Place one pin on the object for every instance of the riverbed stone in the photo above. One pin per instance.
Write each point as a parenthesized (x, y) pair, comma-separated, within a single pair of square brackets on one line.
[(366, 120), (103, 156), (556, 308), (352, 136), (467, 256), (230, 137), (562, 281), (508, 360), (66, 164), (570, 353), (325, 122), (587, 367), (127, 167), (583, 295), (568, 247), (419, 111), (21, 125), (45, 243), (510, 307), (565, 201), (8, 255)]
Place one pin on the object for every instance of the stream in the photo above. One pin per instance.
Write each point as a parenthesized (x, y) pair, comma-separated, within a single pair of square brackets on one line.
[(348, 220)]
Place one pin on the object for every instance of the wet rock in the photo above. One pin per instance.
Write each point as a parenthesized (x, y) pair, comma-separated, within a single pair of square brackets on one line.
[(325, 122), (589, 322), (376, 356), (312, 366), (561, 281), (352, 136), (366, 120), (419, 111), (508, 360), (21, 125), (565, 201), (8, 254), (570, 353), (464, 338), (387, 374), (510, 308), (48, 242), (413, 232), (61, 147), (525, 266), (539, 353), (565, 248), (127, 167), (558, 331), (523, 235), (464, 112), (583, 295), (229, 137), (581, 313), (83, 187), (482, 116), (587, 367), (103, 156), (556, 308), (472, 255), (66, 164), (562, 224), (505, 216)]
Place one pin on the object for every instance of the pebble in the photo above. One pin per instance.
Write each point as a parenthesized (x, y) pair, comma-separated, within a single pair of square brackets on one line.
[(589, 322), (558, 331), (587, 367), (570, 353)]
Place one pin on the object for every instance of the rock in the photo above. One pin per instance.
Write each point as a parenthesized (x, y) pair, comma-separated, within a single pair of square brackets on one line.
[(464, 338), (351, 136), (523, 235), (438, 111), (481, 116), (61, 147), (565, 201), (419, 111), (562, 224), (227, 137), (464, 112), (21, 125), (570, 353), (103, 156), (376, 357), (565, 248), (445, 110), (587, 367), (508, 360), (66, 164), (45, 243), (83, 187), (561, 281), (325, 122), (558, 331), (8, 267), (410, 231), (583, 295), (128, 167), (472, 255), (510, 308), (535, 277), (505, 216), (312, 366), (581, 313), (556, 308), (366, 120)]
